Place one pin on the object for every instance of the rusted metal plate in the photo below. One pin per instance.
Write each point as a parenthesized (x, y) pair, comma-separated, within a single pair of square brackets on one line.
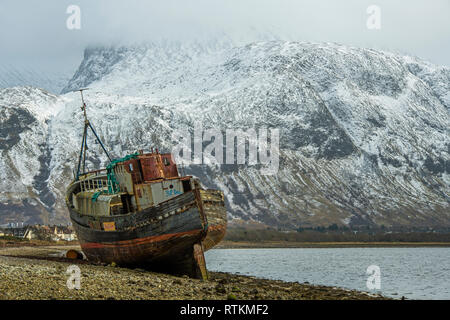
[(169, 166), (150, 168), (134, 168)]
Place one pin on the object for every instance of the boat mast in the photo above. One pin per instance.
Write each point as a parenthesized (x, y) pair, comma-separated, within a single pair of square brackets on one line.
[(84, 147)]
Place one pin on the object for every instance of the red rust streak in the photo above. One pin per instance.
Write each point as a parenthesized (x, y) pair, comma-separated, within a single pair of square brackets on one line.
[(216, 228)]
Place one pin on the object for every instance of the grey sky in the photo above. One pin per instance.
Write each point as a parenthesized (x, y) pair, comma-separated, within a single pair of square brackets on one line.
[(35, 33)]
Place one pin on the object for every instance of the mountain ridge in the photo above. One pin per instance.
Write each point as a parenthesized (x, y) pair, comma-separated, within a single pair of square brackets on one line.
[(364, 133)]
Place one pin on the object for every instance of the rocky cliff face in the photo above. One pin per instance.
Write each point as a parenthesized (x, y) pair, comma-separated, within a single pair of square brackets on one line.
[(363, 133), (25, 118)]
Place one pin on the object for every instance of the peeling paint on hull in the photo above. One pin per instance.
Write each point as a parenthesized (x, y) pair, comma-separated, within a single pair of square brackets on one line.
[(174, 244)]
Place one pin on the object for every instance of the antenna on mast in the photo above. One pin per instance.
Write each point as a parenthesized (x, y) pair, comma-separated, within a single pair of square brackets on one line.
[(83, 107), (84, 147)]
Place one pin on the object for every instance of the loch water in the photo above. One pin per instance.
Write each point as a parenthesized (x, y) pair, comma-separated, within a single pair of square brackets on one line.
[(415, 273)]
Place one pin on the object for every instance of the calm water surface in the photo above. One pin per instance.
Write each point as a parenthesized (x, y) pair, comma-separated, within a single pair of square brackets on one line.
[(416, 273)]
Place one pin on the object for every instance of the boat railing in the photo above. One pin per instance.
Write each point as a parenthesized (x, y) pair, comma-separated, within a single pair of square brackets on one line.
[(95, 185)]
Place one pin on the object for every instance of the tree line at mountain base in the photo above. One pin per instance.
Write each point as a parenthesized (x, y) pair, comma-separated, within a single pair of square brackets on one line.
[(334, 233)]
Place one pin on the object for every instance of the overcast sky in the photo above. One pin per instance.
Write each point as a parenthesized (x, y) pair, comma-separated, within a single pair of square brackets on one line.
[(35, 32)]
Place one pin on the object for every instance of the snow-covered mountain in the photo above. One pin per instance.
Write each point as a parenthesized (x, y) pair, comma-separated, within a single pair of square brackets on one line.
[(25, 117), (364, 133)]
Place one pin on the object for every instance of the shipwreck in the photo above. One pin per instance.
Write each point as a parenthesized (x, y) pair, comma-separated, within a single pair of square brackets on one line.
[(140, 211)]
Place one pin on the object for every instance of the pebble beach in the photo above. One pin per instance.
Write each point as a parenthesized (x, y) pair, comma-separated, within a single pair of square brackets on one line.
[(41, 273)]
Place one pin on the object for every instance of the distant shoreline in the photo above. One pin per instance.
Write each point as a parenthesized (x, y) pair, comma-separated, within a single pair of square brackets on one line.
[(226, 244)]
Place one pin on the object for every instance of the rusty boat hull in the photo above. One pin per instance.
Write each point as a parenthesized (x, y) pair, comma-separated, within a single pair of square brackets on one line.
[(140, 211), (170, 237)]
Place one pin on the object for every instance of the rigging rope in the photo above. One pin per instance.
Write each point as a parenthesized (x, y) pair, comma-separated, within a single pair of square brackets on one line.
[(113, 185)]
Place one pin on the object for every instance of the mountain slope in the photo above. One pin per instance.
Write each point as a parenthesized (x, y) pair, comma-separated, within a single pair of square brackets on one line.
[(25, 115), (363, 133)]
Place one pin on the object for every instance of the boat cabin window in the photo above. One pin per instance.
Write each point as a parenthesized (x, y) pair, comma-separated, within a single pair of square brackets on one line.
[(131, 166), (186, 185)]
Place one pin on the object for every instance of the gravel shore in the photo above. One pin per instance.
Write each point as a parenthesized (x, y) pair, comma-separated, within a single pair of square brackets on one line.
[(40, 273)]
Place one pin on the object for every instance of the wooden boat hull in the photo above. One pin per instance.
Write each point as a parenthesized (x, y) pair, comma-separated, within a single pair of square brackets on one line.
[(214, 208), (170, 237)]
